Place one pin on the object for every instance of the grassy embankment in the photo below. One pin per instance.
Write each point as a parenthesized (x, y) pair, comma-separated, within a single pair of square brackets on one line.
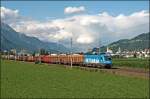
[(27, 80), (131, 62)]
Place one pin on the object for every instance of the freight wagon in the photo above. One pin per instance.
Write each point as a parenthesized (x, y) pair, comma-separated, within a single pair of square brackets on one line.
[(30, 59), (100, 60), (46, 59), (66, 59)]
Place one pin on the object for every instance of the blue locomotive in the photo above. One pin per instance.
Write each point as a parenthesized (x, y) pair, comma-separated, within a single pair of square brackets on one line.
[(98, 60)]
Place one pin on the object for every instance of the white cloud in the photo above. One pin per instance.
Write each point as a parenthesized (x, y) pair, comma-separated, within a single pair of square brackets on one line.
[(8, 14), (84, 39), (62, 34), (86, 30), (70, 10)]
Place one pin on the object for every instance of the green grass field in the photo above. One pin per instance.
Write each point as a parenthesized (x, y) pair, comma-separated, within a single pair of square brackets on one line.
[(131, 62), (27, 80)]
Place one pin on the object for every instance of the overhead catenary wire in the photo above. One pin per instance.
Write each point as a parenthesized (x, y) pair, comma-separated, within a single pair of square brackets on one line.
[(99, 44), (71, 52)]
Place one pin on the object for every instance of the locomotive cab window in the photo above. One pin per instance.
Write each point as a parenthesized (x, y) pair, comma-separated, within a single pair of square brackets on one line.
[(101, 58), (107, 58)]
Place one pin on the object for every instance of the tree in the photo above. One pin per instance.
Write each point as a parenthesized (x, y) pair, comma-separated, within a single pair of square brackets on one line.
[(43, 52)]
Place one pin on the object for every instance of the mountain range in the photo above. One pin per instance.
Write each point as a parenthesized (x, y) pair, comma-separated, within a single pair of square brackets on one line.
[(10, 39), (137, 43)]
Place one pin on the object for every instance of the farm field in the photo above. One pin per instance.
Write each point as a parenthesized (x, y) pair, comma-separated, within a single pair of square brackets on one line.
[(29, 80), (131, 62)]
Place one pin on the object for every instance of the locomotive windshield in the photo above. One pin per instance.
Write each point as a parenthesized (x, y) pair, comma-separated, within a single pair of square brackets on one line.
[(107, 58)]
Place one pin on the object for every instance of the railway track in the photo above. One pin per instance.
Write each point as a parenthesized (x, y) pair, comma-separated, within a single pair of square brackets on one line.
[(134, 72), (123, 71)]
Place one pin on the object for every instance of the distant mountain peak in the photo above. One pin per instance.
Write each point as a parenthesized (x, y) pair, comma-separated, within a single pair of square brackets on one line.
[(139, 42), (11, 39)]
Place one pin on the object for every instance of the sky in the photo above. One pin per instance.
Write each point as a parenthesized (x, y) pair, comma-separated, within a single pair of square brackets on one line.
[(55, 9), (88, 22)]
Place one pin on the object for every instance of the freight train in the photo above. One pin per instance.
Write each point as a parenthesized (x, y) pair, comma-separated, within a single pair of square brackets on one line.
[(98, 61)]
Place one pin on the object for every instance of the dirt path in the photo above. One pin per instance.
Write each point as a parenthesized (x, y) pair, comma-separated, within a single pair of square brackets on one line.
[(126, 71)]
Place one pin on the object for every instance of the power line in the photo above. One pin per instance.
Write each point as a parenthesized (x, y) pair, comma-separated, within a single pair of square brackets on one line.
[(71, 52)]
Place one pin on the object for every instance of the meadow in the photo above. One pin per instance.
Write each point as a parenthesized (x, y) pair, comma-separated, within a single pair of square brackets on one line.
[(131, 62), (29, 80)]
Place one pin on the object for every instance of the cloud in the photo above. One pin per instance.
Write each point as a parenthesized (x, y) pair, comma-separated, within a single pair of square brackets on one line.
[(86, 30), (85, 39), (8, 14), (62, 34), (11, 16), (71, 10)]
